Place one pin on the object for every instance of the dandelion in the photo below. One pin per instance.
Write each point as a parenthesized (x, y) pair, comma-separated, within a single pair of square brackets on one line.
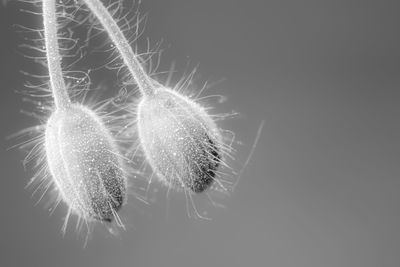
[(180, 140)]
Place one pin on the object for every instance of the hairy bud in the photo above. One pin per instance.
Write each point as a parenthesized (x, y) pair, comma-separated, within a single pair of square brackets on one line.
[(84, 164), (179, 139)]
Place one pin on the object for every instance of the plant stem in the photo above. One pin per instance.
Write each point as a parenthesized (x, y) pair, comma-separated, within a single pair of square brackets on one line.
[(60, 94), (143, 81)]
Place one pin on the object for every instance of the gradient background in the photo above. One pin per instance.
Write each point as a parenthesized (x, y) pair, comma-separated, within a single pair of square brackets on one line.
[(322, 188)]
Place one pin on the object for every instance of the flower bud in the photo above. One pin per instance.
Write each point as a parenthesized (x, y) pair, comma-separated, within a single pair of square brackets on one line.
[(84, 164), (180, 140)]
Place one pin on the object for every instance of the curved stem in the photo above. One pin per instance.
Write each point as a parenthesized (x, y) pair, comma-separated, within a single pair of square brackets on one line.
[(57, 83), (121, 43)]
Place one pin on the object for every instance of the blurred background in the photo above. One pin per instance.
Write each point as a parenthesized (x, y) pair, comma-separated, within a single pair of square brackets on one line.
[(323, 186)]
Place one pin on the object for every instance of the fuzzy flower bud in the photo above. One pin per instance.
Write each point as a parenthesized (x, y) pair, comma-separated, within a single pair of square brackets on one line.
[(84, 164), (180, 140)]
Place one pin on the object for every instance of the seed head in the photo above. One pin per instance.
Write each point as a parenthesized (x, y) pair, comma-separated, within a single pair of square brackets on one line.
[(180, 140), (84, 164)]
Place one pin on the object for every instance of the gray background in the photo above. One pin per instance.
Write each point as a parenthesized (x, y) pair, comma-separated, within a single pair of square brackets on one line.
[(322, 188)]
